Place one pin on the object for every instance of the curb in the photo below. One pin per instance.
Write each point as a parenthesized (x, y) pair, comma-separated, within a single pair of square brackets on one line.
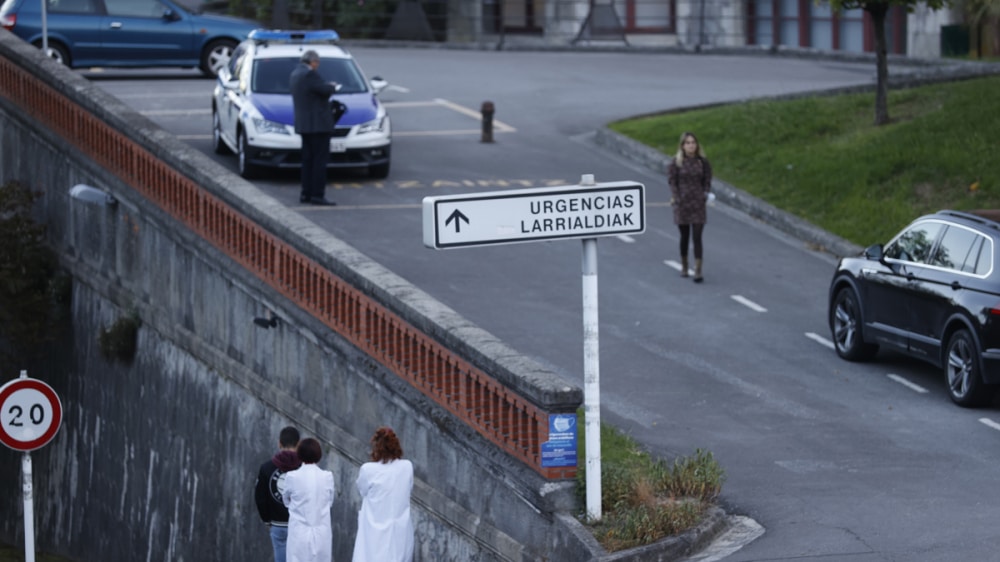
[(674, 548)]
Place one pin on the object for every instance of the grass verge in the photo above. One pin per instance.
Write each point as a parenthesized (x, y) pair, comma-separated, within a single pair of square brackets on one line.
[(822, 159), (644, 499)]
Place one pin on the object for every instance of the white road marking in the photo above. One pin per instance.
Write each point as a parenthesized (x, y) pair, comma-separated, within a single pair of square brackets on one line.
[(748, 303), (626, 238), (990, 423), (907, 384), (396, 88), (674, 264), (820, 339), (193, 137), (741, 532), (436, 133), (498, 126)]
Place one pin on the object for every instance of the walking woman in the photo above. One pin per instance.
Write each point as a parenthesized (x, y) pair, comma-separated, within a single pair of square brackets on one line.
[(690, 178), (308, 494), (385, 531)]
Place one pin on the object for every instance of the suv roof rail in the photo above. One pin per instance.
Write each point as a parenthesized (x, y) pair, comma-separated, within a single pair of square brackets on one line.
[(320, 36), (986, 217)]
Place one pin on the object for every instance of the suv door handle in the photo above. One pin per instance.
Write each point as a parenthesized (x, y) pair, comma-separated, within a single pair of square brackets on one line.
[(955, 285), (909, 276)]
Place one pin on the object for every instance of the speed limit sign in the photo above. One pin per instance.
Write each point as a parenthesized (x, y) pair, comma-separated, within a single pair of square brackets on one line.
[(30, 414)]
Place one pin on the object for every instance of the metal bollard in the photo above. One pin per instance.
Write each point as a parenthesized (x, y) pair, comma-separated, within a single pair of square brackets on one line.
[(487, 111)]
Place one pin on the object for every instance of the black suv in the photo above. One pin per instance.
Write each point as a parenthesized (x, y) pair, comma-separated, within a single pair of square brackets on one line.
[(933, 293)]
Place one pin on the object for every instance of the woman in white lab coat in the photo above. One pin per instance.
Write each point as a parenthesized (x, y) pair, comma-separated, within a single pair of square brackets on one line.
[(308, 495), (385, 532)]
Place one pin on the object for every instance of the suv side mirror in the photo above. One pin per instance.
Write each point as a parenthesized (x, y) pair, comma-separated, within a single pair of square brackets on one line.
[(874, 252), (170, 15)]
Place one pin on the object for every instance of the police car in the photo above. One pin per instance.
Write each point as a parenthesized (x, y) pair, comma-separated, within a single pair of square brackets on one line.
[(252, 112)]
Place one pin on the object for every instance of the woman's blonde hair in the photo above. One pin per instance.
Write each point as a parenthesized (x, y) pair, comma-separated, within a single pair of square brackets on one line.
[(679, 157)]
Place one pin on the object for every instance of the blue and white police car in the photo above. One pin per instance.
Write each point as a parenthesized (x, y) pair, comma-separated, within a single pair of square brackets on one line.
[(252, 112)]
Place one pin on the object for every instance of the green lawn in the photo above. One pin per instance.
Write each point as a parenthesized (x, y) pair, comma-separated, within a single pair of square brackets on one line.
[(822, 159)]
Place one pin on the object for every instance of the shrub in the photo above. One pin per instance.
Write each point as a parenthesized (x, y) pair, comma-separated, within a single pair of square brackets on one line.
[(29, 283), (644, 500)]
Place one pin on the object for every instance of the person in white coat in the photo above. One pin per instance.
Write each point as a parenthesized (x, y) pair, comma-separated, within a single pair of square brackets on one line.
[(385, 531), (308, 494)]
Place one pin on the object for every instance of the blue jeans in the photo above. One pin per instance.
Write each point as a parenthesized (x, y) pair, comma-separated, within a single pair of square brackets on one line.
[(279, 539)]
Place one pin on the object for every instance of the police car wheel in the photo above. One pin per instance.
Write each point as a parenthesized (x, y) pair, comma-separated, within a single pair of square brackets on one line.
[(247, 170), (217, 144)]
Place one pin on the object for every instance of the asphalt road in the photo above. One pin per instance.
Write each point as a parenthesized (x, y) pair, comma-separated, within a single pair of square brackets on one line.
[(835, 461)]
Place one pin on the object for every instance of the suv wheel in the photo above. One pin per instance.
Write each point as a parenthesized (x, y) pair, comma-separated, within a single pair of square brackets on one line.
[(961, 371), (845, 327)]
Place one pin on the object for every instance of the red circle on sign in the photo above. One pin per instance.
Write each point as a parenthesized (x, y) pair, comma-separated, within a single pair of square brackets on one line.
[(46, 390)]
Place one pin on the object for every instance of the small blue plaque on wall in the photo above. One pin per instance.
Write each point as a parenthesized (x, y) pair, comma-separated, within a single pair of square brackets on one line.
[(560, 449)]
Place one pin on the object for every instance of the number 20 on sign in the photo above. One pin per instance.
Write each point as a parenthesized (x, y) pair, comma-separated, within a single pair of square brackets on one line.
[(30, 414)]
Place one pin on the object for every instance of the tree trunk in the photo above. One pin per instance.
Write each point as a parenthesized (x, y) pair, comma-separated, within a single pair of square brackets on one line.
[(878, 12)]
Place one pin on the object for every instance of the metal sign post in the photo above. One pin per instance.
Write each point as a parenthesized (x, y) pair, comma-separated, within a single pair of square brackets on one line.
[(591, 379), (29, 509), (45, 28), (30, 414)]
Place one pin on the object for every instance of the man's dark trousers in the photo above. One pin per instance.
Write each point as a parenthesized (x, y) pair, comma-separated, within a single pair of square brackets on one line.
[(315, 154)]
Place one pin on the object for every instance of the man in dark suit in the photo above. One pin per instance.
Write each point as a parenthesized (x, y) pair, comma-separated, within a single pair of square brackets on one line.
[(315, 123)]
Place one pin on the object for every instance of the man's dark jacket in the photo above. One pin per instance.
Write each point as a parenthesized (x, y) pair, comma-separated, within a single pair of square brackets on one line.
[(267, 491), (311, 101)]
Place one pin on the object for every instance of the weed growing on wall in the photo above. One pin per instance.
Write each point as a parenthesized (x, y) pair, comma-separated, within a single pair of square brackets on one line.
[(29, 280), (120, 339)]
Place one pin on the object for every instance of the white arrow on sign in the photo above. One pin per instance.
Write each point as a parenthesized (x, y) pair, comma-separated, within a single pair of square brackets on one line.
[(528, 215)]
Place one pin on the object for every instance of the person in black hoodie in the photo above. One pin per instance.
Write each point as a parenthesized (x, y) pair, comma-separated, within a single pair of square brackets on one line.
[(267, 491)]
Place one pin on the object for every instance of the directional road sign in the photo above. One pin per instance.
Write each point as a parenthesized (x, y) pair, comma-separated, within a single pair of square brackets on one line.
[(30, 414), (527, 215)]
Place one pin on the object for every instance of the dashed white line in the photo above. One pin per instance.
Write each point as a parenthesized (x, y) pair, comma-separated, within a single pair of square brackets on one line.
[(990, 423), (748, 303), (907, 384), (673, 264), (626, 238), (820, 339)]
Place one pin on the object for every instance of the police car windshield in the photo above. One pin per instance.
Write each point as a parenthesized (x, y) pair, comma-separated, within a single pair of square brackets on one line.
[(270, 76)]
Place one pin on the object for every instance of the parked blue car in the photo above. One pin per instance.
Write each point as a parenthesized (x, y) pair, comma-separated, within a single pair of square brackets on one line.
[(127, 33)]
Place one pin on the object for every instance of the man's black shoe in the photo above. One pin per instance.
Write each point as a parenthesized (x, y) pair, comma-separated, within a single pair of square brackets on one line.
[(321, 201)]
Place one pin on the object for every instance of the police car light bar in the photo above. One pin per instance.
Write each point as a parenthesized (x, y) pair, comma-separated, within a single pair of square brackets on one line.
[(281, 36)]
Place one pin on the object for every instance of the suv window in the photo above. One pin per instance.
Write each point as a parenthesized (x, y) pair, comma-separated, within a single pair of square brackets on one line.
[(959, 249), (914, 244), (983, 257)]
